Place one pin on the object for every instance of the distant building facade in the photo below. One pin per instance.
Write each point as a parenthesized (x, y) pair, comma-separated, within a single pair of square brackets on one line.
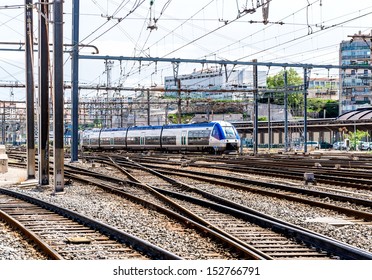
[(214, 83), (326, 88), (355, 84)]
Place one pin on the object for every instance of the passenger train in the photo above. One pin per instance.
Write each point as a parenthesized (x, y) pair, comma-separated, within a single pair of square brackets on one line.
[(216, 137)]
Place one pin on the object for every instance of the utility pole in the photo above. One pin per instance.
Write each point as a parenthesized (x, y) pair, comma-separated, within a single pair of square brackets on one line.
[(166, 113), (3, 128), (58, 114), (148, 108), (286, 110), (43, 104), (255, 108), (269, 121), (30, 125), (109, 117), (75, 81), (305, 109), (179, 101)]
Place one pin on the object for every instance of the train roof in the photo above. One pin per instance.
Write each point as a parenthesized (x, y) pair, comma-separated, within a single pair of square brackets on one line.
[(169, 126)]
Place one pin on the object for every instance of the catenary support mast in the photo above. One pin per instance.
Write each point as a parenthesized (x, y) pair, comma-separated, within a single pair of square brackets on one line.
[(43, 105), (75, 80), (29, 54), (58, 102)]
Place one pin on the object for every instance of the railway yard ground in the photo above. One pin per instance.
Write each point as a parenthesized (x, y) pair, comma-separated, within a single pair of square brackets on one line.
[(148, 206)]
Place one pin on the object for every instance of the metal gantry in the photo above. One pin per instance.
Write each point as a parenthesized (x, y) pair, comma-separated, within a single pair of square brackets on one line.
[(176, 62), (43, 106), (43, 90)]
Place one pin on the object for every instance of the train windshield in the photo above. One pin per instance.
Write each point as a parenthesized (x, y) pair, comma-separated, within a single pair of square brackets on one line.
[(229, 132)]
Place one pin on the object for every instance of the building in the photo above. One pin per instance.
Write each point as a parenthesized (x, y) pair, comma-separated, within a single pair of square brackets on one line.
[(326, 88), (355, 84), (12, 122), (215, 83)]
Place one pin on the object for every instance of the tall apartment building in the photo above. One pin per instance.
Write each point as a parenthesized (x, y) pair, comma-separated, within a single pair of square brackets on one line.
[(355, 84)]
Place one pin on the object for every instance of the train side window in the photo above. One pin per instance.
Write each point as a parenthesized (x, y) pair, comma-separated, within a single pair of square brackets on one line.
[(133, 140), (119, 140), (152, 140), (169, 140), (199, 137)]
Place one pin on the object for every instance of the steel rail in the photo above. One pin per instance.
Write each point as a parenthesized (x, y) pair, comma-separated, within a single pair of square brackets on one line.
[(191, 220), (201, 176), (332, 246), (123, 237), (344, 250), (49, 251)]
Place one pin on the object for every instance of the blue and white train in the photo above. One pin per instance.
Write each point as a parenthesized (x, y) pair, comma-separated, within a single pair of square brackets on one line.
[(216, 137)]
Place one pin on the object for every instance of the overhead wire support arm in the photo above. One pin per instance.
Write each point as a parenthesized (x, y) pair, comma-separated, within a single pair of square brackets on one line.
[(227, 75), (22, 44), (222, 62)]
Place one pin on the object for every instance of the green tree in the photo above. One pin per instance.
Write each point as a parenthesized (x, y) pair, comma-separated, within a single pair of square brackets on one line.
[(319, 105), (295, 100), (356, 137), (332, 108), (277, 81)]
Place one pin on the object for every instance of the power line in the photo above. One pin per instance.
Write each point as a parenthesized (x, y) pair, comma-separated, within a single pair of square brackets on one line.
[(118, 21), (298, 38)]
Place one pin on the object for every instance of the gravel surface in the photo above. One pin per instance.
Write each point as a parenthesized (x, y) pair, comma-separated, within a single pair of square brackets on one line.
[(14, 247), (153, 226), (134, 219), (297, 213), (313, 218)]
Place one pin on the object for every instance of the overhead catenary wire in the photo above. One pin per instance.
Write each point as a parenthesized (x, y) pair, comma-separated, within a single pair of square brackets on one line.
[(193, 41), (261, 30), (204, 35), (118, 22), (108, 20), (274, 46), (140, 48), (303, 36)]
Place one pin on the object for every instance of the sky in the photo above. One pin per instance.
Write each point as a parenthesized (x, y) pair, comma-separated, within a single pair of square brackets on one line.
[(301, 31)]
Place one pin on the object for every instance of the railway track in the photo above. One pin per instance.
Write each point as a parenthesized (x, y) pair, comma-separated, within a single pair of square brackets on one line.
[(247, 229), (294, 169), (282, 191), (312, 249), (138, 194), (63, 234)]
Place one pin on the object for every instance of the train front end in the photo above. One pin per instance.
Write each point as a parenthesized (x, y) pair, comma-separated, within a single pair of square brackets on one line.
[(225, 138)]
